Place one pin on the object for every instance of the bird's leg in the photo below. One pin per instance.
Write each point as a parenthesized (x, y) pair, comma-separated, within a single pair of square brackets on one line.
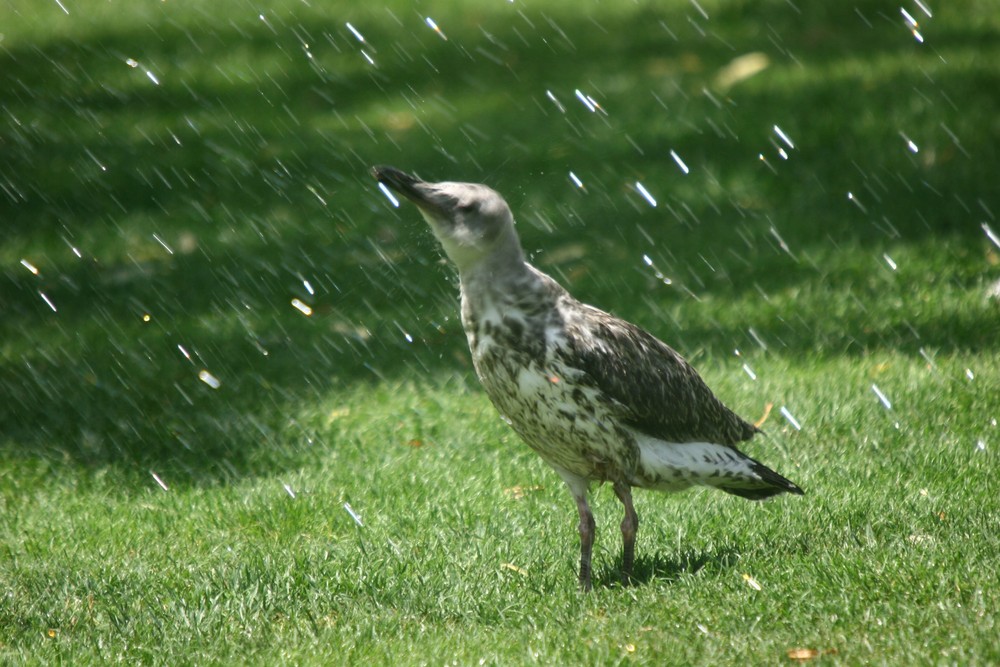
[(586, 538), (630, 525)]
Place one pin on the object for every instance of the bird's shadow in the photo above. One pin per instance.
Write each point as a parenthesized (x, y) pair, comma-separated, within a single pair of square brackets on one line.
[(662, 567)]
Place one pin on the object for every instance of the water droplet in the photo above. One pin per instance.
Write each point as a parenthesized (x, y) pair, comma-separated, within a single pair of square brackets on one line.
[(354, 515), (355, 32), (302, 307), (586, 100), (766, 163), (659, 275), (756, 336), (680, 163), (160, 482), (434, 26), (991, 235), (850, 196), (749, 371), (209, 379), (882, 397), (163, 243), (791, 419), (889, 261), (548, 94), (28, 265), (48, 301), (784, 137), (576, 181), (645, 193), (388, 193), (912, 24), (781, 241)]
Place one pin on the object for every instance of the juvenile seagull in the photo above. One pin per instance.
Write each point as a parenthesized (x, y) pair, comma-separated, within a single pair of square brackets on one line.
[(598, 398)]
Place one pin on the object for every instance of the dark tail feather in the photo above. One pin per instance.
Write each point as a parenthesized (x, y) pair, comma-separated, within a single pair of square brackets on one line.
[(769, 484)]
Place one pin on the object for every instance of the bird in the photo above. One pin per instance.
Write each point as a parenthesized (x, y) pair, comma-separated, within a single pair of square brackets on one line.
[(599, 399)]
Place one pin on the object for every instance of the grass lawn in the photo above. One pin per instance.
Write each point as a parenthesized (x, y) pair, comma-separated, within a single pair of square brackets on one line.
[(238, 422)]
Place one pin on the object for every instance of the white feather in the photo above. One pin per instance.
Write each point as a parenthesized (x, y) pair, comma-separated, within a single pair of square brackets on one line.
[(673, 466)]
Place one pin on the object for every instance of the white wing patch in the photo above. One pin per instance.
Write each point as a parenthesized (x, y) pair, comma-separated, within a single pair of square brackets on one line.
[(672, 466)]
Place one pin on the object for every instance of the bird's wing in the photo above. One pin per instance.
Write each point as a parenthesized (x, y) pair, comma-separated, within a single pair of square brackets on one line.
[(658, 392)]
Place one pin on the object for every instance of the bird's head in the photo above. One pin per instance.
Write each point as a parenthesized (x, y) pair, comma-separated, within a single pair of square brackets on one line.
[(471, 221)]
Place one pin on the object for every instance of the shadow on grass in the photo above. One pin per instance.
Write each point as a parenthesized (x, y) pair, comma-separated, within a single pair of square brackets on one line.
[(660, 567), (237, 181)]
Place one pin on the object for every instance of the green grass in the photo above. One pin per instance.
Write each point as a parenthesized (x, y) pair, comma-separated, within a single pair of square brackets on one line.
[(146, 517)]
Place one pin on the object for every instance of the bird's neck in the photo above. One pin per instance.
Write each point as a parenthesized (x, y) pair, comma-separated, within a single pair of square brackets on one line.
[(502, 266), (498, 283)]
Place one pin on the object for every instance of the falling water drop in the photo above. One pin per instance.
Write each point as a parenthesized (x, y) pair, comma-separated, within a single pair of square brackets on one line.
[(160, 482), (791, 419), (784, 137), (434, 26), (586, 100), (645, 193), (551, 96), (991, 235), (389, 195), (354, 31), (882, 397), (680, 162), (852, 198), (354, 515), (209, 379), (48, 301), (302, 307)]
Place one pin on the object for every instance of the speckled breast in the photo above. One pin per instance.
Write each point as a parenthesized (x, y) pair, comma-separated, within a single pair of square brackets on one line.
[(548, 402)]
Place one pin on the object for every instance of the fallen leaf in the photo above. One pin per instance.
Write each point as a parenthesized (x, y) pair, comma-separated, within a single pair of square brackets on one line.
[(802, 654), (515, 568), (519, 492), (336, 414), (415, 443), (741, 68)]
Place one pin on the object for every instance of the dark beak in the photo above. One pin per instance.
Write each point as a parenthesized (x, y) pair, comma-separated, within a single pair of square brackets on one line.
[(401, 182)]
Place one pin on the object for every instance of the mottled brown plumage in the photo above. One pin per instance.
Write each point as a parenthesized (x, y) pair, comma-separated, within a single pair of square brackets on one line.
[(598, 398)]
